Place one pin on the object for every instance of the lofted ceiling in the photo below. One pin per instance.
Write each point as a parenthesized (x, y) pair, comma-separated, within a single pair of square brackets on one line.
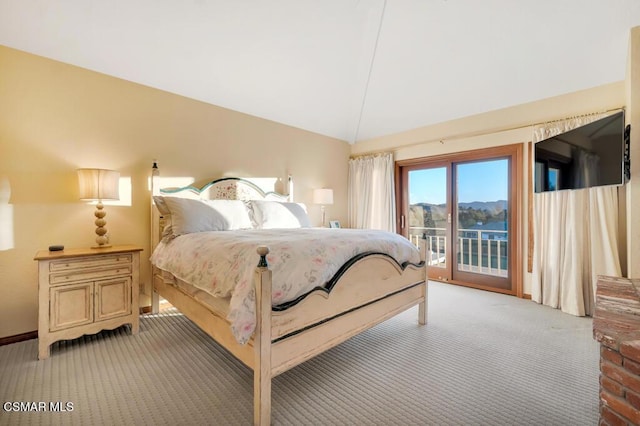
[(349, 69)]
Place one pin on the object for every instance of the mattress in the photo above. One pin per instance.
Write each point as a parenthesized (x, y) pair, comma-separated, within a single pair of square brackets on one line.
[(219, 305)]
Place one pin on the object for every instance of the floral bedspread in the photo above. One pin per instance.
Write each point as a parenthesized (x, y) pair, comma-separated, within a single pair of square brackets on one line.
[(222, 263)]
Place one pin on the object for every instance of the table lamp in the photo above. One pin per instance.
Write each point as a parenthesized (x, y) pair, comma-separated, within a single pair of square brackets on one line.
[(323, 196), (98, 185)]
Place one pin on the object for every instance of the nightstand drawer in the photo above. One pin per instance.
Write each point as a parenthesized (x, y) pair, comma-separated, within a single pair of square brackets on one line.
[(90, 262), (91, 274)]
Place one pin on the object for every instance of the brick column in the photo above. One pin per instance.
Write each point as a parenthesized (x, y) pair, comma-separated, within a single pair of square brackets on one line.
[(616, 325)]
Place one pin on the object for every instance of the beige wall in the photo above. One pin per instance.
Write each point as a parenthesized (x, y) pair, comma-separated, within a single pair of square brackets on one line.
[(55, 118), (501, 127)]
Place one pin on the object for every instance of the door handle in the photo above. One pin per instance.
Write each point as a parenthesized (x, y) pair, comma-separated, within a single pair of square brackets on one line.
[(401, 221), (449, 218)]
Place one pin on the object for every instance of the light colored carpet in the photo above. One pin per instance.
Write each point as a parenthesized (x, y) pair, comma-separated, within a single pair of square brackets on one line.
[(483, 359)]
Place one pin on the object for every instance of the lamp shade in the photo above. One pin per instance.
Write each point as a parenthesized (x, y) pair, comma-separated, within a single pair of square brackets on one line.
[(323, 196), (99, 184)]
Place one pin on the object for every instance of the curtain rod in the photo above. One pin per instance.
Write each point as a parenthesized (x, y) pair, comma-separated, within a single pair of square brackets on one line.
[(370, 154), (576, 116), (478, 133)]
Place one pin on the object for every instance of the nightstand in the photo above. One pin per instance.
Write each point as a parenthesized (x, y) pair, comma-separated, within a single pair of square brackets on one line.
[(83, 291)]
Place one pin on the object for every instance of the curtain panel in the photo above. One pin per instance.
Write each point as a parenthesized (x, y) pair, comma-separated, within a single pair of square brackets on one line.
[(371, 201), (575, 237)]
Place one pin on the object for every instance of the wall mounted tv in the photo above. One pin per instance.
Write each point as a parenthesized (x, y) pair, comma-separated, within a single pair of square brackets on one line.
[(591, 155)]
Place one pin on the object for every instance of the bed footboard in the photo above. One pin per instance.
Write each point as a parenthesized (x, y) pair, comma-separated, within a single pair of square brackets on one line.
[(276, 352)]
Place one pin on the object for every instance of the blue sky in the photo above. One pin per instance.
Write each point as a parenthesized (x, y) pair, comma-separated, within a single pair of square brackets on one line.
[(478, 181)]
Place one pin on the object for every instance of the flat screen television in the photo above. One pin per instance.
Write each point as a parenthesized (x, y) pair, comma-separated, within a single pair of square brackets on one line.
[(591, 155)]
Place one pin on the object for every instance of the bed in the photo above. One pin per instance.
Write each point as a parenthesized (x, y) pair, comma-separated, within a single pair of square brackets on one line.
[(280, 327)]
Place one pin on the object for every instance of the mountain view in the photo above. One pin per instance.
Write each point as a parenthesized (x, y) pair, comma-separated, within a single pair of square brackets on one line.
[(469, 214)]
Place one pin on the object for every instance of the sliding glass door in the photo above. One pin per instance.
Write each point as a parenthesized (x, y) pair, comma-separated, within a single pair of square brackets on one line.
[(429, 215), (466, 206), (482, 206)]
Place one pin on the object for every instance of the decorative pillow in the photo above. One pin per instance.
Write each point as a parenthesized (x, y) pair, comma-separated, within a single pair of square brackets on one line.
[(188, 215), (161, 205), (275, 214)]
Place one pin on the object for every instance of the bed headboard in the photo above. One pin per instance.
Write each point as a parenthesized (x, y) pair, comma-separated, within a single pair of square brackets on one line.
[(225, 188)]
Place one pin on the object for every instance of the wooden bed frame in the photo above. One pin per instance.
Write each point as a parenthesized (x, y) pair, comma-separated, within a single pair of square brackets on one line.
[(286, 337)]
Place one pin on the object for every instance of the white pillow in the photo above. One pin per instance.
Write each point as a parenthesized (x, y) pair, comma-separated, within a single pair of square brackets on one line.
[(161, 205), (188, 215), (274, 214)]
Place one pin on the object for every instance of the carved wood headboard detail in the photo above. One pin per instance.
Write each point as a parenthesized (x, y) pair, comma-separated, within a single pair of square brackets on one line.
[(227, 188)]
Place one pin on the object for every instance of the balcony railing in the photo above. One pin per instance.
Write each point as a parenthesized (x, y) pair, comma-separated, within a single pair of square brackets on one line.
[(479, 251), (436, 241)]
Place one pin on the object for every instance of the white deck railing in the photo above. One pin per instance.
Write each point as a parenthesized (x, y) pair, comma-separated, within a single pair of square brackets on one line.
[(480, 251), (437, 243)]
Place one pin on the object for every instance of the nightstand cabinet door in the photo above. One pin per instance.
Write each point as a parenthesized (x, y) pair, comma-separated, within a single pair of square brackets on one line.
[(70, 306), (112, 298)]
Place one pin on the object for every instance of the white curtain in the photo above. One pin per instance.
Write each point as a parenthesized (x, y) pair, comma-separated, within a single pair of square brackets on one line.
[(575, 238), (371, 192)]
